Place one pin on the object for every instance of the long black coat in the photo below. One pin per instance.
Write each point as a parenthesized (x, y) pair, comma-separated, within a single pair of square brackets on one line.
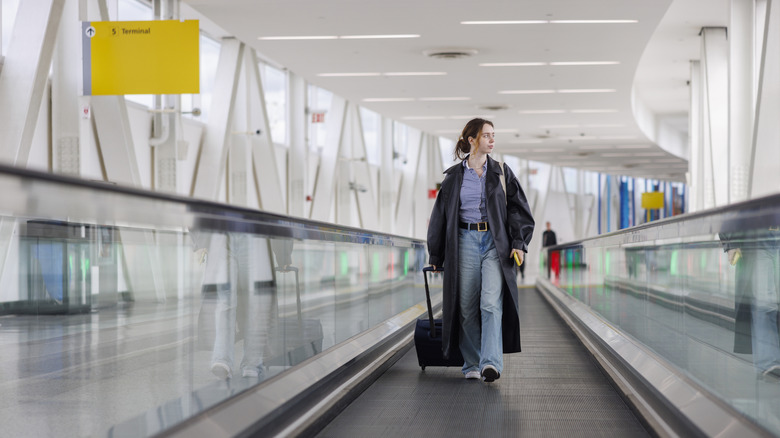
[(512, 226)]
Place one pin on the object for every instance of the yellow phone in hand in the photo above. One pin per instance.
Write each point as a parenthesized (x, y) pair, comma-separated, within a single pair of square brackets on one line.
[(517, 259)]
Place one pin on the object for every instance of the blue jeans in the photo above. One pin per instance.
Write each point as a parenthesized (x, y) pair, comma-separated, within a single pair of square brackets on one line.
[(481, 301), (766, 294)]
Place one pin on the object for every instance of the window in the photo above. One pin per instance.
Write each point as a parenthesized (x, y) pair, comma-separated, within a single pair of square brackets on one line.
[(275, 88), (372, 123), (209, 59)]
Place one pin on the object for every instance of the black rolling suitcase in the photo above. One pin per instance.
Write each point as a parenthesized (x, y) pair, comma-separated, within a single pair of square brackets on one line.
[(427, 336)]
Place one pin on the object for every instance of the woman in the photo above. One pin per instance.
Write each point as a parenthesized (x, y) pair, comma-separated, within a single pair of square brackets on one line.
[(480, 230)]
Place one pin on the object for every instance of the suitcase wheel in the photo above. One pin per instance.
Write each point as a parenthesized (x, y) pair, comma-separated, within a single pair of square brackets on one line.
[(423, 367)]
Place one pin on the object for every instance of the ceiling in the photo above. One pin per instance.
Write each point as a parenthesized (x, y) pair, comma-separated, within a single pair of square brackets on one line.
[(645, 65)]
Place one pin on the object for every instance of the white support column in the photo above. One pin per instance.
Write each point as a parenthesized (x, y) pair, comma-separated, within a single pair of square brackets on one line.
[(741, 33), (716, 113), (297, 156), (695, 172), (25, 74), (65, 108), (361, 172), (386, 208), (765, 153), (266, 173), (324, 186), (403, 214), (214, 150)]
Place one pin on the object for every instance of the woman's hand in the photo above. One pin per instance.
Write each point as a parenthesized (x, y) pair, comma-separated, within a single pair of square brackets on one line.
[(520, 256)]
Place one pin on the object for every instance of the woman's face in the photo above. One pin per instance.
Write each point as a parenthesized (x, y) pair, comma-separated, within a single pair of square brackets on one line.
[(484, 144)]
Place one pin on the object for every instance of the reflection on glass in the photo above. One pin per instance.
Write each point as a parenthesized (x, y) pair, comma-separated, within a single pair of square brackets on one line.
[(135, 324), (702, 292)]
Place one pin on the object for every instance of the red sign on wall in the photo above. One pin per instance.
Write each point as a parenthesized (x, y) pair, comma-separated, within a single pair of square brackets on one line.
[(318, 117)]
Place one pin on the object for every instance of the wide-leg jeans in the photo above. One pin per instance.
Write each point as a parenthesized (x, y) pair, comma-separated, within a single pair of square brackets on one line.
[(481, 301)]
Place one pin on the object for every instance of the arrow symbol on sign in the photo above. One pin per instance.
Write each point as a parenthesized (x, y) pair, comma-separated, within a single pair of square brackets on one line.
[(90, 31)]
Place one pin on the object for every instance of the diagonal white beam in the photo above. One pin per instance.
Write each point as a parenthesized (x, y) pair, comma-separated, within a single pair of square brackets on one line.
[(24, 76), (325, 183), (361, 170), (403, 214), (266, 172), (213, 154)]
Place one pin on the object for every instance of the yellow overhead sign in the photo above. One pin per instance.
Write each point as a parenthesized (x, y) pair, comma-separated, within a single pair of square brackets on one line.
[(141, 57), (652, 200)]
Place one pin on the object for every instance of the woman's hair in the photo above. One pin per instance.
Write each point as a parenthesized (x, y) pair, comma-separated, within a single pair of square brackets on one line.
[(472, 129)]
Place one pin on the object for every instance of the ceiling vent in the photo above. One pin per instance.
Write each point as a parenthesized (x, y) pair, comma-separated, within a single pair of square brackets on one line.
[(450, 53), (493, 107)]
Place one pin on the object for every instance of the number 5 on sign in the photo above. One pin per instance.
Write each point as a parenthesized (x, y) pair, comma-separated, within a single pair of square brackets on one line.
[(141, 57)]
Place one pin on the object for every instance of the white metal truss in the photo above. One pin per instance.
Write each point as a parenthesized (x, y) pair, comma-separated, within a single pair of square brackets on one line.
[(266, 172), (386, 207), (298, 153), (25, 74), (403, 208), (212, 162), (361, 182), (325, 181)]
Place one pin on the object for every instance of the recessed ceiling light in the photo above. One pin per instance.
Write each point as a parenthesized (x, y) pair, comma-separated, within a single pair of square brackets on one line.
[(388, 99), (416, 73), (370, 37), (587, 90), (443, 99), (596, 147), (550, 22), (584, 63), (593, 111), (650, 154), (603, 126), (471, 117), (346, 75), (577, 137), (302, 37), (335, 37), (552, 111), (592, 21), (524, 141), (512, 64), (423, 118), (526, 92), (633, 146), (507, 22), (617, 137)]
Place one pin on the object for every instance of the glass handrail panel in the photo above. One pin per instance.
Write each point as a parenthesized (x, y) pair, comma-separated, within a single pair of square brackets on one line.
[(125, 312), (700, 290)]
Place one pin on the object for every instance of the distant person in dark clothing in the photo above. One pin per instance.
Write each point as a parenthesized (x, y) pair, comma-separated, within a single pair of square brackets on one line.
[(549, 239)]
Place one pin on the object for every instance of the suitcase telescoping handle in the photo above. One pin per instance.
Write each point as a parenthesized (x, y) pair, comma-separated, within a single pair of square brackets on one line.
[(426, 270)]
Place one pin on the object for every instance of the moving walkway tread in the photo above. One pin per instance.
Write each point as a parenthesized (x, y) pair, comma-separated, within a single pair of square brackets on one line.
[(552, 389)]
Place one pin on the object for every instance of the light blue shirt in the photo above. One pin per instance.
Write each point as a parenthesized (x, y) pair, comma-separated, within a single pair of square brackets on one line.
[(473, 207)]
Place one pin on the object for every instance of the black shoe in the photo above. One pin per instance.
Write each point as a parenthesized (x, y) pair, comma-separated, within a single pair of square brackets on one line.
[(490, 373)]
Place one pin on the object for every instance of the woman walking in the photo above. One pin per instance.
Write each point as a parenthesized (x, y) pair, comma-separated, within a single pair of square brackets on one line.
[(476, 231)]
